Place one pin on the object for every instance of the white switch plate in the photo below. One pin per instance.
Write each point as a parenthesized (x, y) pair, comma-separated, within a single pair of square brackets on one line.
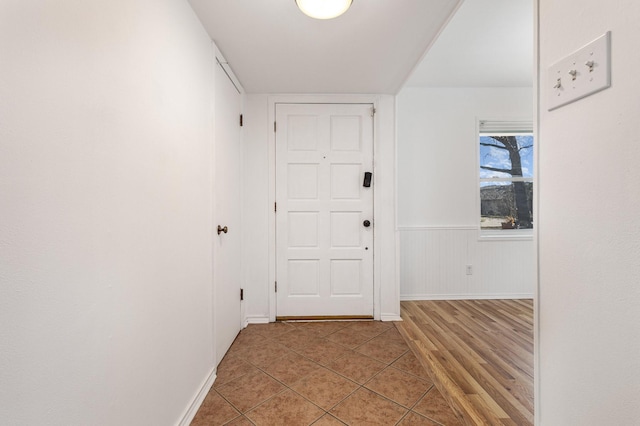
[(572, 78)]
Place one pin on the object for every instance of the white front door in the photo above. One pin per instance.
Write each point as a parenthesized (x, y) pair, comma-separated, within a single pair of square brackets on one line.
[(324, 211), (226, 183)]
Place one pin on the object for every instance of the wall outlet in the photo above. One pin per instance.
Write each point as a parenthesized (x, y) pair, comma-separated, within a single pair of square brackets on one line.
[(469, 270)]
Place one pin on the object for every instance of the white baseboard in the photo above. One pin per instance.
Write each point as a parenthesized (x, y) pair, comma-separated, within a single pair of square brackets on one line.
[(390, 317), (197, 401), (408, 297), (256, 320)]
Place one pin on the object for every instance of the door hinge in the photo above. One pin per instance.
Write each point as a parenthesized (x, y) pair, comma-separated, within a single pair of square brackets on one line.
[(274, 126), (241, 294), (373, 111), (241, 121), (275, 207), (276, 286)]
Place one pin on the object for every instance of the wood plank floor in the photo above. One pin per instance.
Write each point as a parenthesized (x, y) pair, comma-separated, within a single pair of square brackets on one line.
[(479, 353)]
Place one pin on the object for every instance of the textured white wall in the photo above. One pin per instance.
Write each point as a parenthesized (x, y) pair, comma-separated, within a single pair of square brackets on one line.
[(438, 196), (437, 152), (589, 236), (105, 212), (256, 208), (385, 202)]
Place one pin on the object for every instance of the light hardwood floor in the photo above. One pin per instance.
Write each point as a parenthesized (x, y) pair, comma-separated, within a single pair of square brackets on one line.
[(479, 353)]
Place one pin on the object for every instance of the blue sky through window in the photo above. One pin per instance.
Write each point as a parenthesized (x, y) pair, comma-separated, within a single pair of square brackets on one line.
[(499, 158)]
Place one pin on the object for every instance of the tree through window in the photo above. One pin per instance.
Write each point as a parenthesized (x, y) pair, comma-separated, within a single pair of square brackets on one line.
[(506, 175)]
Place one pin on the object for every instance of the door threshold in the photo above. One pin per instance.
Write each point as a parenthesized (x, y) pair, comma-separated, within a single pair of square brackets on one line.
[(327, 318)]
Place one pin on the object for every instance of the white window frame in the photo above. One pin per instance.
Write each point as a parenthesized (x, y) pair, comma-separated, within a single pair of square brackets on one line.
[(505, 126)]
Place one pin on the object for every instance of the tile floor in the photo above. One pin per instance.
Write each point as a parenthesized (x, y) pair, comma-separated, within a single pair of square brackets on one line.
[(322, 373)]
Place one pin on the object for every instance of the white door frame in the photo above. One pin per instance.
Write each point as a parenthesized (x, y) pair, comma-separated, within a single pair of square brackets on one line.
[(386, 289)]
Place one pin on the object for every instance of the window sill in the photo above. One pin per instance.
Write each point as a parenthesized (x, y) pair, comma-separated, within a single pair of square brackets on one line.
[(506, 235)]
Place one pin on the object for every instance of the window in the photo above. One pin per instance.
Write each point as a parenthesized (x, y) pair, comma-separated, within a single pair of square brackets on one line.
[(506, 175)]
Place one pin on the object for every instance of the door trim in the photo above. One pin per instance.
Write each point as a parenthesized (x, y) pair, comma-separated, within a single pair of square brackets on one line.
[(386, 297)]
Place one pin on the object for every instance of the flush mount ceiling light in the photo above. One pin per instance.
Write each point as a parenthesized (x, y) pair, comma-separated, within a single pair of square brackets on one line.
[(324, 9)]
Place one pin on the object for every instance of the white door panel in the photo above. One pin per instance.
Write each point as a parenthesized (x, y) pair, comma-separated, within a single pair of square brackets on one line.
[(226, 247), (324, 253)]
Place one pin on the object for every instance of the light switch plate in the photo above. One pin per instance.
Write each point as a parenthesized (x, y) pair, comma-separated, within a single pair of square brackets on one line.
[(582, 73)]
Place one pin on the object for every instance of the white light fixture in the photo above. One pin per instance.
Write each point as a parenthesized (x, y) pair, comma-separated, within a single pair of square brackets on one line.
[(324, 9)]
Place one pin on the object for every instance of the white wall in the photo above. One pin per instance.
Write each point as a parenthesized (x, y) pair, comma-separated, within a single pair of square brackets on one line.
[(257, 247), (256, 209), (589, 238), (438, 205), (105, 211)]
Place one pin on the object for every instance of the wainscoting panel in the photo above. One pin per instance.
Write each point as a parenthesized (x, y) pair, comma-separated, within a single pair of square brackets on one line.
[(434, 260)]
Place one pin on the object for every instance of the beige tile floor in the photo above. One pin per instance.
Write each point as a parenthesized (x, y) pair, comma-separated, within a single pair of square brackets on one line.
[(322, 373)]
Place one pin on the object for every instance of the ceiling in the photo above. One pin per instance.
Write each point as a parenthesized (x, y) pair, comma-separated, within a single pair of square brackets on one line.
[(488, 43), (376, 47), (272, 47)]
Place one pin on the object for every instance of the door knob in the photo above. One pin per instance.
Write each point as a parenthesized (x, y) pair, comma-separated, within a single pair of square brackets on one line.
[(221, 229), (366, 223)]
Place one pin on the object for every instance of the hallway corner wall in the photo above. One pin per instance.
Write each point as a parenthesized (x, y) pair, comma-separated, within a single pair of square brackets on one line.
[(105, 218), (589, 237)]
